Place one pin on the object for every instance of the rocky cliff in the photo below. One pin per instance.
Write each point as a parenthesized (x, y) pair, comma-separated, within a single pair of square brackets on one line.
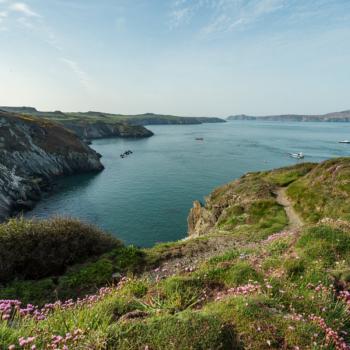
[(161, 119), (200, 220), (97, 130), (32, 152)]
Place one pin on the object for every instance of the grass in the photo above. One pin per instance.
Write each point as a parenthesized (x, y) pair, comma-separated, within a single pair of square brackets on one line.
[(181, 311), (324, 191), (298, 276)]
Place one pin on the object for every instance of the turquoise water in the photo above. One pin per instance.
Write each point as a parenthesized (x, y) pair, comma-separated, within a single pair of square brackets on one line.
[(145, 198)]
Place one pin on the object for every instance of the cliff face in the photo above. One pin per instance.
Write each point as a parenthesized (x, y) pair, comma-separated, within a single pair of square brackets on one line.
[(200, 220), (32, 152), (100, 129)]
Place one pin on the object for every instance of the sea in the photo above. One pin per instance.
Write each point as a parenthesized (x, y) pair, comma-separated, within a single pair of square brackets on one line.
[(145, 198)]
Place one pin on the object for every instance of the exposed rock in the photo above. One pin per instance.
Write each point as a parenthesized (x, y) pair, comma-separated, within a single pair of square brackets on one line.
[(234, 197), (99, 129), (200, 220), (32, 153)]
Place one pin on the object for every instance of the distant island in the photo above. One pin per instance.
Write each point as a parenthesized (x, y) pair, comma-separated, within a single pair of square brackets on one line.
[(343, 116)]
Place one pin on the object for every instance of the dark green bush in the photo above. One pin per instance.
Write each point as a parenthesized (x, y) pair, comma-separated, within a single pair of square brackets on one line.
[(33, 249)]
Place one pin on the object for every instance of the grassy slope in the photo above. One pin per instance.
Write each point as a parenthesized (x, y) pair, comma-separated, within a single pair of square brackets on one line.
[(93, 117), (49, 136), (324, 192), (263, 292)]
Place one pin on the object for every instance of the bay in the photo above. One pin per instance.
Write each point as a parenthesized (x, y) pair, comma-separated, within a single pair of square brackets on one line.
[(145, 198)]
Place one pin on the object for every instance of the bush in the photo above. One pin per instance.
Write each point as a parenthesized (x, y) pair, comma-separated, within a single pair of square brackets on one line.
[(33, 249)]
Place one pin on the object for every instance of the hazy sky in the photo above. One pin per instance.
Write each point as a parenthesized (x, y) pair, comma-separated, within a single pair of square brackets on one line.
[(186, 57)]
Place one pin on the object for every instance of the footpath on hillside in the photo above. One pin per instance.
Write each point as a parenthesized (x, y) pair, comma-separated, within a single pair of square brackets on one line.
[(217, 244), (295, 221)]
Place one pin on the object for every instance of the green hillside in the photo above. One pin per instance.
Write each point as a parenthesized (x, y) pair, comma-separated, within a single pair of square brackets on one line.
[(266, 266)]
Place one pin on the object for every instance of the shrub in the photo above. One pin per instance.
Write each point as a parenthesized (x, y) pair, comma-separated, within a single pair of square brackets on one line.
[(33, 249)]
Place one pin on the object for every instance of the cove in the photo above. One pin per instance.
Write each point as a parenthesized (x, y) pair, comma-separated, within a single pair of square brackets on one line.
[(145, 198)]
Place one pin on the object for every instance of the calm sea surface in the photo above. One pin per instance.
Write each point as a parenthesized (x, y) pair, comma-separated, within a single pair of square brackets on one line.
[(145, 198)]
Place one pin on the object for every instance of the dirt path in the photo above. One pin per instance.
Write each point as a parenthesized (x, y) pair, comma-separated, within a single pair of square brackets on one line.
[(295, 220), (215, 245), (218, 244)]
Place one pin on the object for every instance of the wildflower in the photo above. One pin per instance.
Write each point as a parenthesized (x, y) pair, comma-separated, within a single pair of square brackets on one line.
[(331, 335), (241, 290)]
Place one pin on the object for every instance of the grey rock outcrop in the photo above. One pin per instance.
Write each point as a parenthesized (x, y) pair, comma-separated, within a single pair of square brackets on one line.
[(32, 153), (98, 130), (200, 220)]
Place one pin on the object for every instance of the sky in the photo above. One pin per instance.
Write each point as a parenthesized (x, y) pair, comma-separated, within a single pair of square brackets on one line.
[(183, 57)]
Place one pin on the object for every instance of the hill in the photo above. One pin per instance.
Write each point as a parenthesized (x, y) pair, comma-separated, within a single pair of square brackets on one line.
[(87, 126), (126, 125), (33, 151), (266, 266), (343, 116)]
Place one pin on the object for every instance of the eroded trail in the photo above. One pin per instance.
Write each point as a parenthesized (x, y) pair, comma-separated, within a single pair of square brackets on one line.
[(197, 252), (295, 221)]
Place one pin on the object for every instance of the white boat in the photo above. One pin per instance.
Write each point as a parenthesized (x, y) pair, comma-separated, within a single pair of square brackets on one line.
[(344, 141), (299, 155)]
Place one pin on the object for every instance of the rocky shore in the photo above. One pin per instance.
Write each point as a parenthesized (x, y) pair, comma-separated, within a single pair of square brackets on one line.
[(33, 152)]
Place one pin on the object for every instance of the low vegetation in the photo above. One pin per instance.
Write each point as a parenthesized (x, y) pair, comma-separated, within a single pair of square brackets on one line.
[(273, 288), (110, 118), (324, 192), (32, 249)]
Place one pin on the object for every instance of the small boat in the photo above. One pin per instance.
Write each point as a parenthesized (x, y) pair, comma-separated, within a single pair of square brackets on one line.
[(299, 155), (344, 141), (126, 153), (199, 138)]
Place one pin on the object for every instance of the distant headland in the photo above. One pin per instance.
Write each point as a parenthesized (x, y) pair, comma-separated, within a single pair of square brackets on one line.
[(343, 116)]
